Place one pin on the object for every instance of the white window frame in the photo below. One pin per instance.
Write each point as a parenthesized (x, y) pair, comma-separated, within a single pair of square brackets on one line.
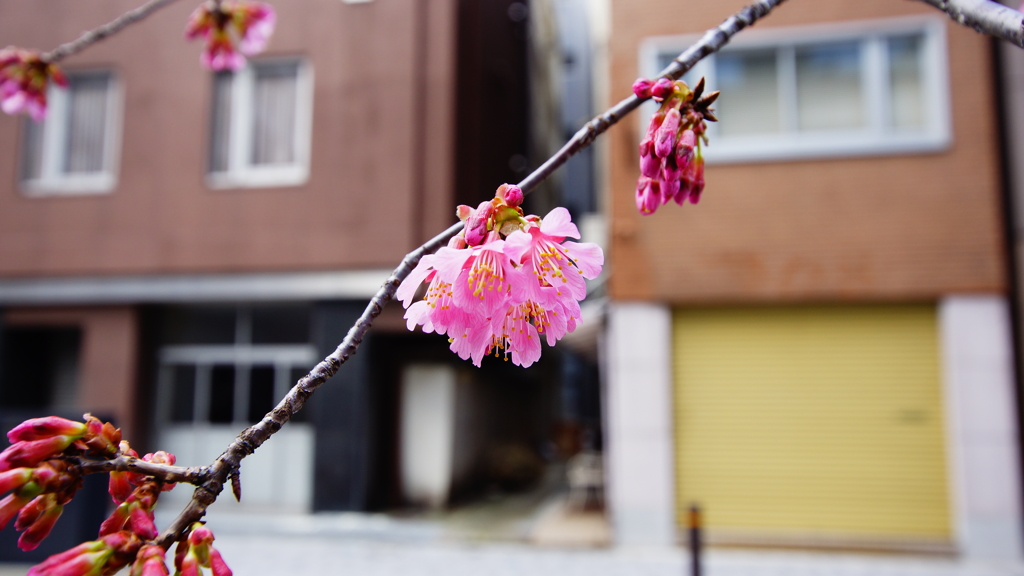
[(52, 181), (241, 173), (877, 138)]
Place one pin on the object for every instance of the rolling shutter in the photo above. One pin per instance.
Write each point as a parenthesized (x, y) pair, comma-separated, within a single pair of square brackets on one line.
[(811, 421)]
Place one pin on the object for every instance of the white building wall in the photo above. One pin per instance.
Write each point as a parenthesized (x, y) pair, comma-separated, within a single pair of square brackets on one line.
[(639, 439), (982, 430)]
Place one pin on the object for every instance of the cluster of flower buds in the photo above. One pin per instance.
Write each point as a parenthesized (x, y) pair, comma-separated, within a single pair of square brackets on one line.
[(24, 77), (134, 510), (40, 482), (38, 497), (504, 282), (99, 557), (197, 551), (219, 23), (671, 160)]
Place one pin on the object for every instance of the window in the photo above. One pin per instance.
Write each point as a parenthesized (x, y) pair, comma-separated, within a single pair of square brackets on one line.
[(260, 128), (223, 365), (74, 149), (850, 89)]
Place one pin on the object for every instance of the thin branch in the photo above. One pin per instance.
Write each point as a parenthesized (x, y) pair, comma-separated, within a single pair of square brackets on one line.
[(251, 438), (986, 17), (96, 34), (193, 475)]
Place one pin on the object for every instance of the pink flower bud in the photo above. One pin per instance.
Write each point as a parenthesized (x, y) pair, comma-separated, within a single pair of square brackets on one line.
[(40, 529), (117, 520), (669, 190), (463, 212), (692, 182), (30, 454), (79, 561), (151, 561), (512, 195), (476, 225), (684, 149), (39, 428), (665, 139), (119, 487), (671, 171), (33, 511), (648, 195), (217, 564), (200, 535), (142, 522), (662, 89), (190, 565), (14, 479), (10, 506), (642, 87), (650, 166)]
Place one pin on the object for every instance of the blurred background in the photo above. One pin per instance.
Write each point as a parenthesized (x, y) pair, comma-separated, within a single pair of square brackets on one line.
[(822, 355)]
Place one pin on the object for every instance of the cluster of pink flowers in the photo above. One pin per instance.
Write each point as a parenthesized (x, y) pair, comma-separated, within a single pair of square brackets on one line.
[(39, 481), (671, 162), (220, 23), (24, 77), (504, 282)]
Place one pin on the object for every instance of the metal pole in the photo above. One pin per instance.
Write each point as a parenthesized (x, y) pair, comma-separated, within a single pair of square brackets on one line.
[(694, 522)]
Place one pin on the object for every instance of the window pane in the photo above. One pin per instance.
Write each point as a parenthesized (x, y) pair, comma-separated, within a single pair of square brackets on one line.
[(222, 394), (261, 392), (749, 103), (907, 85), (220, 122), (87, 123), (829, 87), (274, 101), (280, 324), (183, 392), (32, 149)]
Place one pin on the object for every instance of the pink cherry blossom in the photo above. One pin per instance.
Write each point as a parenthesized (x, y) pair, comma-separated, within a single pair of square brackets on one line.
[(24, 78), (232, 30), (504, 295)]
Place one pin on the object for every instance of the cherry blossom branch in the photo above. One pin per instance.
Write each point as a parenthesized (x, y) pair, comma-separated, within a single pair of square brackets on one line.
[(110, 28), (986, 17), (193, 475), (227, 464)]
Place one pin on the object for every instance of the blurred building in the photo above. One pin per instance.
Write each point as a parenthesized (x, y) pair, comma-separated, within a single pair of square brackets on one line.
[(177, 247), (819, 353)]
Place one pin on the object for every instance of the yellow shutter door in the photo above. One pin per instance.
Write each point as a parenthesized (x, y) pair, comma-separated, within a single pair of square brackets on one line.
[(812, 421)]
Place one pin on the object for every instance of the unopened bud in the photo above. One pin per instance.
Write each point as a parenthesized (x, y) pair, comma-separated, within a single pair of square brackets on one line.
[(642, 87), (29, 454), (15, 478), (650, 166), (662, 89), (512, 195), (40, 529), (39, 428), (665, 139)]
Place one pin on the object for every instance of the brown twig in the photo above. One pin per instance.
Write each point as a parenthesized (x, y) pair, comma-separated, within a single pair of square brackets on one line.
[(251, 438), (193, 475), (96, 34), (986, 17)]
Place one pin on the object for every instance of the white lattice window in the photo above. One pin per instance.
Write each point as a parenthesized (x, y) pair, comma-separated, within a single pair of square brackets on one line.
[(260, 125), (74, 150), (849, 89)]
